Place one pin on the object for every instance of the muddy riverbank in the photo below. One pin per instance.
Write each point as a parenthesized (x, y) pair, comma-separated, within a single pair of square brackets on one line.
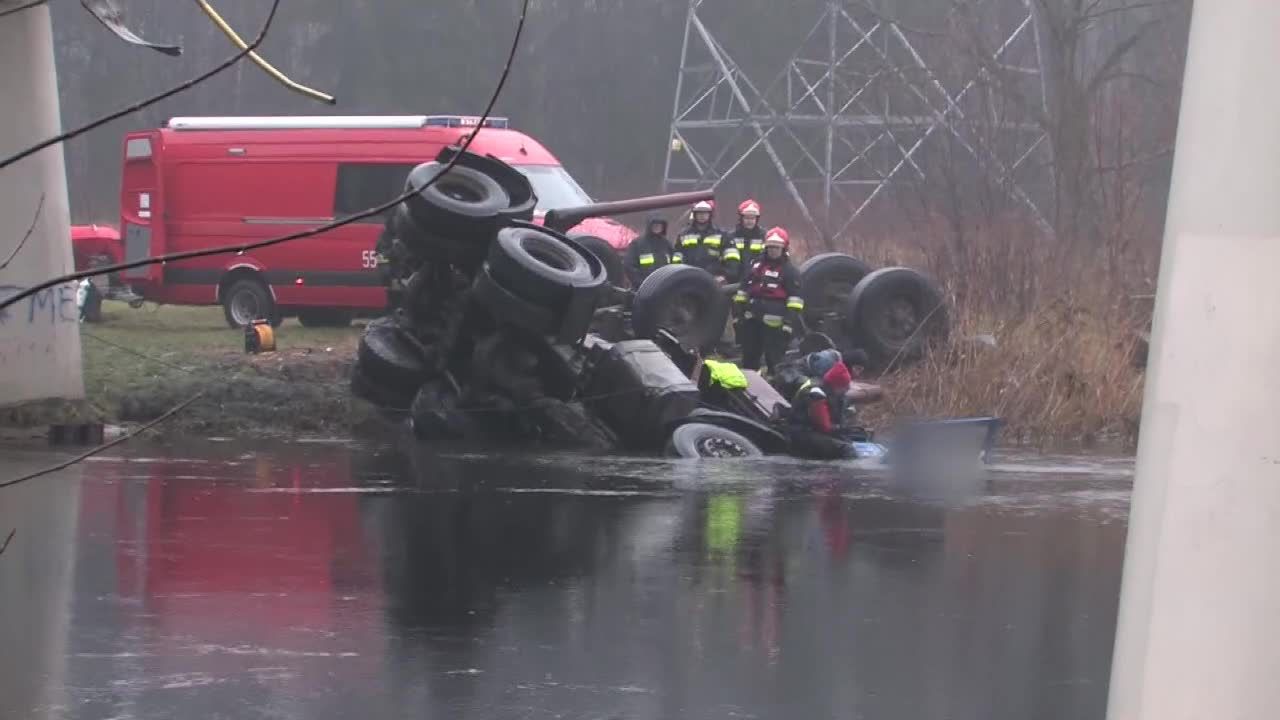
[(138, 364)]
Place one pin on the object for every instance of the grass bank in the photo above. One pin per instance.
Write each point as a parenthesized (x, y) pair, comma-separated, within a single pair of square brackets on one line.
[(1044, 335), (1060, 377), (140, 363)]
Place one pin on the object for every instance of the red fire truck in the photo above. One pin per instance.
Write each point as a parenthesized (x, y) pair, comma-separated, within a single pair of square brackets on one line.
[(207, 181)]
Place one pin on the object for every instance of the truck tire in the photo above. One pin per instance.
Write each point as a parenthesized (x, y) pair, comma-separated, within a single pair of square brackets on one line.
[(246, 300), (538, 265), (465, 203), (608, 256), (684, 300), (507, 307), (518, 188), (324, 317), (896, 313), (768, 439), (390, 360), (826, 282), (700, 440)]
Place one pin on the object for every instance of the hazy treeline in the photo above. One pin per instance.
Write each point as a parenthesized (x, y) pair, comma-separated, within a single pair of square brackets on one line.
[(595, 81)]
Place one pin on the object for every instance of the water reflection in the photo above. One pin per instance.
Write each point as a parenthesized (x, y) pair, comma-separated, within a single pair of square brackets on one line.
[(328, 581)]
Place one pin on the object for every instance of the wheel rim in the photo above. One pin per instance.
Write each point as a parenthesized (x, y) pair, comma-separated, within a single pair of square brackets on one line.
[(720, 447), (680, 314), (244, 308), (460, 190), (830, 298), (898, 321), (547, 256)]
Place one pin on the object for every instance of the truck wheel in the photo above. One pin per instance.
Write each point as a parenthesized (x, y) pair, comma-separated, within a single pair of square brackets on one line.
[(390, 360), (464, 203), (603, 250), (537, 265), (518, 187), (684, 300), (507, 307), (699, 440), (896, 313), (247, 300), (826, 282), (326, 317)]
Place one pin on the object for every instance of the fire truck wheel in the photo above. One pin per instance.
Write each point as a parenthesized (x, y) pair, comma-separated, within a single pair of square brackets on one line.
[(507, 307), (684, 300), (325, 317), (610, 257), (389, 359), (246, 300), (464, 203), (895, 314), (537, 265)]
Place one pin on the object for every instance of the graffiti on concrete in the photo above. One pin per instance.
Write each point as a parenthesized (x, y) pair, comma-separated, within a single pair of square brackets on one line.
[(52, 306)]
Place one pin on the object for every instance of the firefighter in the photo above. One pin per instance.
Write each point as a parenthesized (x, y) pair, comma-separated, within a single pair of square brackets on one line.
[(768, 305), (702, 245), (648, 252), (817, 417), (748, 238)]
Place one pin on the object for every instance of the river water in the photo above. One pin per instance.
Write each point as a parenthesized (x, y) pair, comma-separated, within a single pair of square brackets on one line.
[(329, 580)]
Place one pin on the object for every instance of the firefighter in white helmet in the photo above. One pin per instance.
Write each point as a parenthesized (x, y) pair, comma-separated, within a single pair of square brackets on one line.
[(769, 304), (703, 245), (748, 237)]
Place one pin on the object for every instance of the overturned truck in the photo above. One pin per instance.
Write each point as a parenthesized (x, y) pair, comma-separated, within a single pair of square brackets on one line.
[(505, 330)]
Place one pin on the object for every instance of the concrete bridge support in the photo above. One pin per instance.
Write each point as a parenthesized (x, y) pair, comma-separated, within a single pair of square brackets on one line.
[(39, 337), (1199, 632)]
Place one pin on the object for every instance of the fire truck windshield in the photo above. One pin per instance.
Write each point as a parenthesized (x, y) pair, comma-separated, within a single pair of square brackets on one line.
[(554, 186)]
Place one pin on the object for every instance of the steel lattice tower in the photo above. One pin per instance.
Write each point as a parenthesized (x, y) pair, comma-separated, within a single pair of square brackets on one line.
[(855, 107)]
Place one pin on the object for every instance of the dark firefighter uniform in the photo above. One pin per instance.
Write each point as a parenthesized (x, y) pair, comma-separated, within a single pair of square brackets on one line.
[(749, 241), (703, 245), (817, 416), (768, 306), (648, 252)]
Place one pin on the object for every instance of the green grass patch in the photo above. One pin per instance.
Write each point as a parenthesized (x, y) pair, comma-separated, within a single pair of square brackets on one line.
[(139, 363)]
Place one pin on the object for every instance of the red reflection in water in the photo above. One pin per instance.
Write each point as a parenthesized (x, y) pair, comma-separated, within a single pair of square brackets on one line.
[(237, 551)]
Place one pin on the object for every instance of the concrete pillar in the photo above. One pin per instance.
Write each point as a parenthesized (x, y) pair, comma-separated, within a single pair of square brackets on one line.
[(1199, 625), (40, 336)]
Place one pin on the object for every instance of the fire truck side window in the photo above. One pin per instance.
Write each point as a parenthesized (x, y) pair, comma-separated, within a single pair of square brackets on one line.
[(365, 185)]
